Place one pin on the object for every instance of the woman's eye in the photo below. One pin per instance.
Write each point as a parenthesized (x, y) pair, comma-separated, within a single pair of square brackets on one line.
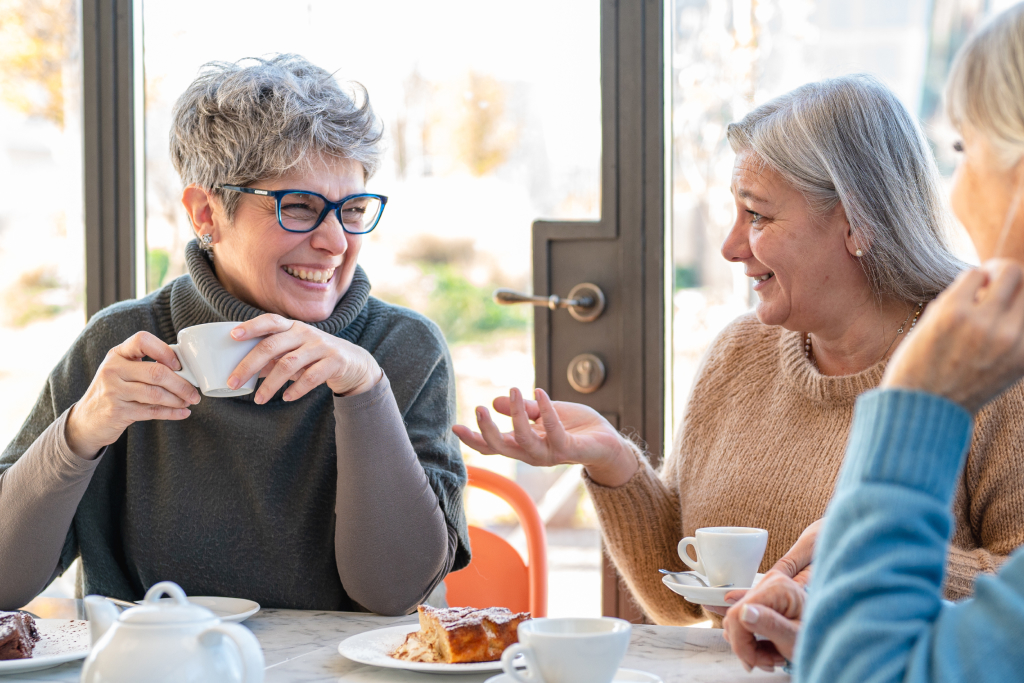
[(958, 146), (755, 217)]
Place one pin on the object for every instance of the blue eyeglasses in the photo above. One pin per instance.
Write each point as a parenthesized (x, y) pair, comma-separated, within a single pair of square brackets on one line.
[(301, 211)]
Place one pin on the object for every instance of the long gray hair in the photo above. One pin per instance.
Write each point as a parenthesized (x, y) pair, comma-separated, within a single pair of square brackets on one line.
[(851, 140)]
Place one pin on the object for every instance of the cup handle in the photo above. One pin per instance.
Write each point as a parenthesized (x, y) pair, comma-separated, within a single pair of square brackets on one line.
[(697, 566), (184, 373), (509, 668)]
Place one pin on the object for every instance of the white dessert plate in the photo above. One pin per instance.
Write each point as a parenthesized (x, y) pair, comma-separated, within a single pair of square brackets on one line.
[(621, 676), (691, 589), (374, 648), (234, 610), (60, 641)]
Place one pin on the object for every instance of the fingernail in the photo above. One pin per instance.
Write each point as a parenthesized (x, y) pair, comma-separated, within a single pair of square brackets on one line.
[(238, 333), (195, 397), (514, 394), (479, 413), (233, 382), (258, 400), (185, 412), (746, 666), (765, 667), (749, 614), (731, 601)]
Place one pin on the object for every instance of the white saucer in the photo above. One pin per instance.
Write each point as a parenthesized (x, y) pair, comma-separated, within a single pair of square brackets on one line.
[(691, 589), (61, 641), (235, 610), (621, 676)]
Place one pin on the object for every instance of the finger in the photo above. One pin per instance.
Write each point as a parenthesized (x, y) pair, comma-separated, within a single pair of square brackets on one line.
[(965, 287), (1005, 279), (261, 326), (503, 406), (554, 430), (270, 348), (142, 344), (715, 609), (295, 362), (741, 640), (308, 379), (473, 439), (157, 375), (497, 441), (521, 427), (149, 394), (767, 623), (138, 412), (736, 595)]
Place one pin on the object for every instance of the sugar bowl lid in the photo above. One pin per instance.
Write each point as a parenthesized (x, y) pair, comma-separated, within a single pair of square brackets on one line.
[(177, 610)]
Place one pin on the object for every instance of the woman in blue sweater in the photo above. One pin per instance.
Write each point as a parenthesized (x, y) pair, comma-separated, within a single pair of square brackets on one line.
[(874, 609)]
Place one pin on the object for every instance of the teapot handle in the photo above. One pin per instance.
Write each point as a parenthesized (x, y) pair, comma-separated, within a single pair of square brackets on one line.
[(248, 648)]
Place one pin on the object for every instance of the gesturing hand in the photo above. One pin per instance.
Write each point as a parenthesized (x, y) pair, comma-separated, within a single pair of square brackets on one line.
[(772, 610), (549, 433), (293, 350), (125, 390), (969, 344)]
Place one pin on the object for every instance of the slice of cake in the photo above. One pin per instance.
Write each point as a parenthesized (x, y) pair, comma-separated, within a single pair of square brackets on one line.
[(18, 635), (459, 635)]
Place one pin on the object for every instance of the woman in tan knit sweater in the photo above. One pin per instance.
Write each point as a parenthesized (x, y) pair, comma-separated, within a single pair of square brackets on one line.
[(840, 224)]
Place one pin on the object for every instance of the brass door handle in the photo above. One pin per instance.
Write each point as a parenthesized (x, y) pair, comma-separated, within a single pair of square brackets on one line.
[(585, 301)]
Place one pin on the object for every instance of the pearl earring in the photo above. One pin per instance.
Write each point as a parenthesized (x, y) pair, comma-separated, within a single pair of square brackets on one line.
[(859, 253)]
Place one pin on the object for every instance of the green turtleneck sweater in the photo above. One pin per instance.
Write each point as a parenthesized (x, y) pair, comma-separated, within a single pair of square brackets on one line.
[(331, 503)]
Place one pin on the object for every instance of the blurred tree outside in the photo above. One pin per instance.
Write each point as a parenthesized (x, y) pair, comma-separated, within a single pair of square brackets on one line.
[(36, 39)]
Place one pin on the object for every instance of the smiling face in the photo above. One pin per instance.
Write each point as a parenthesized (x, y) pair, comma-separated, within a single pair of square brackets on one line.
[(982, 195), (804, 271), (301, 276)]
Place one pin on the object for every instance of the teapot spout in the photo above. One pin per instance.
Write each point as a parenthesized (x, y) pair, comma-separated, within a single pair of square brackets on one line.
[(102, 614)]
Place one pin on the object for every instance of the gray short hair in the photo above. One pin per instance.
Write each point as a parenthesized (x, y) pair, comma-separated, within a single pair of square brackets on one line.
[(986, 83), (851, 140), (256, 119)]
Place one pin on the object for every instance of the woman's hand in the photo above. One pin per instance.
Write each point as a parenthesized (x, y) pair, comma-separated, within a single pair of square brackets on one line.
[(772, 610), (969, 344), (125, 390), (560, 433), (293, 350)]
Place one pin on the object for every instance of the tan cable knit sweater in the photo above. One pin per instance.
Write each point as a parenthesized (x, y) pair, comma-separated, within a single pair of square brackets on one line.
[(761, 444)]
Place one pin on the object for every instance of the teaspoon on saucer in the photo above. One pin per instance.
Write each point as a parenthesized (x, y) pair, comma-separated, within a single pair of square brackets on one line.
[(696, 576)]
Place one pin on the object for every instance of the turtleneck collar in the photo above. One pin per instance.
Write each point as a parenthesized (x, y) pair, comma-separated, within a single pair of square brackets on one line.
[(204, 300), (802, 374)]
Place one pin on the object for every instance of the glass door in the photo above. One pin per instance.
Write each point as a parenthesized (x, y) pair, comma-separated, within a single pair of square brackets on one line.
[(492, 111)]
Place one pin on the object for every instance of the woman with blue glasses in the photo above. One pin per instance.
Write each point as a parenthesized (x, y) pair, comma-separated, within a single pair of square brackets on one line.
[(337, 485)]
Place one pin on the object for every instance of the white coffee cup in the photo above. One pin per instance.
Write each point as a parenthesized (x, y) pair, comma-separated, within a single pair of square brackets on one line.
[(568, 650), (208, 355), (726, 554)]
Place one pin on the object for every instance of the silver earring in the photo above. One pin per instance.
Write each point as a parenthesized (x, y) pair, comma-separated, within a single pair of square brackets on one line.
[(859, 252), (207, 240)]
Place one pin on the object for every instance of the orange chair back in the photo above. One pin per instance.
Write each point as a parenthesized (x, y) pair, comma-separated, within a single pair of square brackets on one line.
[(497, 576)]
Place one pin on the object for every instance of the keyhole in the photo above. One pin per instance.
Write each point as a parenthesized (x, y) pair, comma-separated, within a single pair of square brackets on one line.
[(586, 373)]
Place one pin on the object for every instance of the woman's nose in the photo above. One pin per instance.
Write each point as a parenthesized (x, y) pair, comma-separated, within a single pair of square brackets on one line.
[(330, 236), (736, 246)]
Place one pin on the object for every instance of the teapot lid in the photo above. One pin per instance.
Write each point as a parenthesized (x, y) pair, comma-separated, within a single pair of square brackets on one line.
[(176, 610)]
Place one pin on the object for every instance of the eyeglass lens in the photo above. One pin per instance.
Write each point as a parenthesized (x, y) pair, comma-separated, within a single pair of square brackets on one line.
[(300, 212)]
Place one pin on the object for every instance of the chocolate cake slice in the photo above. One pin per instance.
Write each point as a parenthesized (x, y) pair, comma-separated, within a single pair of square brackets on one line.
[(18, 635)]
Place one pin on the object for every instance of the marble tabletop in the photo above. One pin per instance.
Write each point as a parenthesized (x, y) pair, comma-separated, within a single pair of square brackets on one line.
[(302, 647)]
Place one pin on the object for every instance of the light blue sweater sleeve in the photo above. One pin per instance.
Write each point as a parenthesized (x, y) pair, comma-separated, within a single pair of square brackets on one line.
[(875, 611)]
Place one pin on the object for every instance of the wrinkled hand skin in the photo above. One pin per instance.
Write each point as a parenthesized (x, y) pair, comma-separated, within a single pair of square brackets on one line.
[(968, 346), (546, 433), (771, 610)]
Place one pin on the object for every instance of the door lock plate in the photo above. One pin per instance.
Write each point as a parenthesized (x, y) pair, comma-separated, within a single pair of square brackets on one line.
[(586, 373)]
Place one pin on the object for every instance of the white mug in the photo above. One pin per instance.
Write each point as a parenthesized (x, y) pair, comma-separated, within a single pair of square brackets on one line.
[(568, 650), (208, 354), (726, 554)]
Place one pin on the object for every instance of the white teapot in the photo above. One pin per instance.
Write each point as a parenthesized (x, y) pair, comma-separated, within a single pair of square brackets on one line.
[(167, 641)]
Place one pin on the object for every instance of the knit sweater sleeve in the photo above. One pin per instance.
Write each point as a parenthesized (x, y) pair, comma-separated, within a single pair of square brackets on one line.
[(989, 505), (640, 521), (875, 611)]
